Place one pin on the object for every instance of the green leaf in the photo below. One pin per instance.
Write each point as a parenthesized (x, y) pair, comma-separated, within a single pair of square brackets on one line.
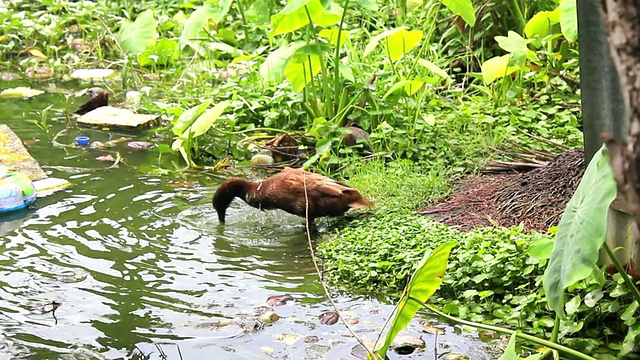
[(297, 13), (163, 52), (629, 311), (629, 342), (569, 19), (346, 71), (463, 8), (514, 44), (398, 42), (332, 36), (581, 231), (303, 65), (323, 146), (135, 37), (497, 67), (272, 69), (203, 123), (198, 22), (188, 117), (410, 87), (541, 248), (434, 69), (424, 283), (592, 298), (541, 24), (258, 12), (510, 352), (573, 305), (370, 5)]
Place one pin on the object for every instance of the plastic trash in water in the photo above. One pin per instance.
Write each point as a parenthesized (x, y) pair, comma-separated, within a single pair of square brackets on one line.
[(16, 191), (82, 140)]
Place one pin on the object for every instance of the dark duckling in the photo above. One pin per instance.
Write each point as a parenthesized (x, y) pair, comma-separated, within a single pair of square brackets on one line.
[(285, 191), (99, 97)]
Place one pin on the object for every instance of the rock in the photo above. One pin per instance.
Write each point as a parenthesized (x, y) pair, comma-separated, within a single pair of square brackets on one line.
[(261, 159)]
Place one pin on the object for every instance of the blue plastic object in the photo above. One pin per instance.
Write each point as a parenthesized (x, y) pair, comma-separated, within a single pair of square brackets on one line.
[(82, 140)]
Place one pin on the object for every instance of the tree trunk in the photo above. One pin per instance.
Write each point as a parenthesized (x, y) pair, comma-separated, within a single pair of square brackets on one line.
[(622, 21)]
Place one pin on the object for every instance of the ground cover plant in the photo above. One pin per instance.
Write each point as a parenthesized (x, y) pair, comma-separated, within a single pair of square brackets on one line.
[(227, 76)]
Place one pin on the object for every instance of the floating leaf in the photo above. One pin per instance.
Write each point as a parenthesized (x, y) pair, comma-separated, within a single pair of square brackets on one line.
[(86, 74), (140, 145), (106, 158), (279, 300), (288, 339), (431, 328), (135, 37), (329, 318), (20, 92)]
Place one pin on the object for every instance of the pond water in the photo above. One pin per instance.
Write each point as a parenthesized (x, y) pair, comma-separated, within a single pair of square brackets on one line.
[(139, 264)]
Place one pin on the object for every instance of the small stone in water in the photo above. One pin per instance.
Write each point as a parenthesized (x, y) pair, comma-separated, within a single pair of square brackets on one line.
[(141, 145), (405, 345), (487, 335), (279, 300), (329, 318), (261, 159)]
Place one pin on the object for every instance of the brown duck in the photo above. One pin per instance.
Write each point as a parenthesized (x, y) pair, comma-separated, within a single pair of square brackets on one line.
[(285, 191), (99, 97)]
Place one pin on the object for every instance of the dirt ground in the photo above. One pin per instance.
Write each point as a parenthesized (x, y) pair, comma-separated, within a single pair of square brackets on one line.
[(536, 198)]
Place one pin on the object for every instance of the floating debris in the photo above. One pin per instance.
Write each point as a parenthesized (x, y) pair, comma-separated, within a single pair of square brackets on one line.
[(20, 92), (140, 145), (329, 318), (405, 345), (89, 74), (279, 300)]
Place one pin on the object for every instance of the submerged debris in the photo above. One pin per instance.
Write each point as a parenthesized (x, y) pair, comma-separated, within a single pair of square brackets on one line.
[(536, 198)]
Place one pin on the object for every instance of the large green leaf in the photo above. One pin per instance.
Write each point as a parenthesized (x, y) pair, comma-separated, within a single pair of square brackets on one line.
[(424, 283), (303, 65), (464, 8), (581, 231), (200, 18), (434, 69), (135, 37), (272, 69), (497, 67), (398, 42), (188, 117), (298, 12), (569, 19), (541, 24), (203, 122), (514, 44)]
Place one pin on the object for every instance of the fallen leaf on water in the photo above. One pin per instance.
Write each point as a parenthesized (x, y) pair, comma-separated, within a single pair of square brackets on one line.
[(431, 328), (288, 339), (30, 142), (268, 350), (141, 145), (268, 317), (106, 158), (311, 339), (279, 300), (21, 91), (329, 318), (352, 321), (37, 53)]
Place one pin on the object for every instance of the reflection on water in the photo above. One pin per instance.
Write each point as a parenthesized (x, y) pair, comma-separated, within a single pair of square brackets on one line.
[(136, 262)]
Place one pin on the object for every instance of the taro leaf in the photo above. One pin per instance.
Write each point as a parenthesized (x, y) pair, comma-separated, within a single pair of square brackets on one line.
[(135, 37), (514, 44), (434, 69), (332, 36), (398, 42), (258, 12), (497, 67), (510, 352), (200, 18), (204, 122), (272, 69), (409, 86), (303, 65), (569, 19), (581, 231), (297, 13), (424, 283), (188, 117), (463, 8), (541, 24)]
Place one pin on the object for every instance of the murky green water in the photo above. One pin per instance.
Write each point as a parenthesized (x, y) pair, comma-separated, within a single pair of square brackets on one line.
[(138, 259)]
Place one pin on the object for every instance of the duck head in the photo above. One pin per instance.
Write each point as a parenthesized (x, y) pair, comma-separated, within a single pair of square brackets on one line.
[(227, 191), (99, 97)]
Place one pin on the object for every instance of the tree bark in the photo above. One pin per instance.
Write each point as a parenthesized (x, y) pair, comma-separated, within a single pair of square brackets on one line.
[(622, 21)]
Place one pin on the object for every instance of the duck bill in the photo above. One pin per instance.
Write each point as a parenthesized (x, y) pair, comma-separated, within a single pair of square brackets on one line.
[(221, 217)]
